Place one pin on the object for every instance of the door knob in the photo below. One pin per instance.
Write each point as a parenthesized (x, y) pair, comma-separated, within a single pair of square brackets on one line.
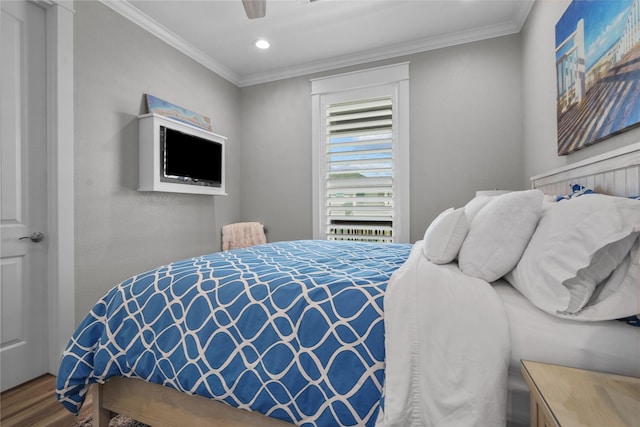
[(35, 237)]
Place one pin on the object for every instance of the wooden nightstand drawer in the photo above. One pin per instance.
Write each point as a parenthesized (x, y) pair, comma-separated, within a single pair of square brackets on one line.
[(568, 397)]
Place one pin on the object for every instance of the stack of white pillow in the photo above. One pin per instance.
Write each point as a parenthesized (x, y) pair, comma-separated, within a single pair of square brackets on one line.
[(576, 258)]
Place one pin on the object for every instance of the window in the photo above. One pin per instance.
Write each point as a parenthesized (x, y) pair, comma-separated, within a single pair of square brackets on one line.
[(361, 166), (359, 170)]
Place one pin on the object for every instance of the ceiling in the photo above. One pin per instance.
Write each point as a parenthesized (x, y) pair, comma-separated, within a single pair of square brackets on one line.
[(310, 36)]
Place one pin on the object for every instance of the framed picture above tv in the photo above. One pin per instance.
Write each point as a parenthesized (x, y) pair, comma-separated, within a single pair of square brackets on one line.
[(598, 71), (161, 107)]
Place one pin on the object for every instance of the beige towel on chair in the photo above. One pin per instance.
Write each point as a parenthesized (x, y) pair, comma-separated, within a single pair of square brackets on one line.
[(242, 234)]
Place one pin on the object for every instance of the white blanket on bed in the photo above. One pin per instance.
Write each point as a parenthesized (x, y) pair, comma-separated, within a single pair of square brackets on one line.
[(447, 348)]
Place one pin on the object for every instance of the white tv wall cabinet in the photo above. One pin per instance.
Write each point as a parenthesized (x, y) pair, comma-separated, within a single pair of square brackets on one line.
[(194, 154)]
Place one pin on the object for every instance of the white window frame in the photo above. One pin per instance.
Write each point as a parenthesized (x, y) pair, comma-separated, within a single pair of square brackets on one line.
[(390, 80)]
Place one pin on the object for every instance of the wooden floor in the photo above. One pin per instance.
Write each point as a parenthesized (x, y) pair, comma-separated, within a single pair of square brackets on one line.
[(34, 404)]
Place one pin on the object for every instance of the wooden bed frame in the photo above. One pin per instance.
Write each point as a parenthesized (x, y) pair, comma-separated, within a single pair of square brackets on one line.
[(162, 406), (616, 172)]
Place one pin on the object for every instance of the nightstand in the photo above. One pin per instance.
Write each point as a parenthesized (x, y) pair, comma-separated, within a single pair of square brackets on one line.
[(569, 397)]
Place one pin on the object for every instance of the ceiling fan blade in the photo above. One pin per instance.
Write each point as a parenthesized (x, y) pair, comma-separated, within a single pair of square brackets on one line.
[(255, 8)]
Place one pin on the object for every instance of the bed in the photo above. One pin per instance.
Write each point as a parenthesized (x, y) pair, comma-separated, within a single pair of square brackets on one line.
[(478, 350)]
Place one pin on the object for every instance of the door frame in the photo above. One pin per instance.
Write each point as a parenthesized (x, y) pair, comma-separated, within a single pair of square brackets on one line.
[(60, 174)]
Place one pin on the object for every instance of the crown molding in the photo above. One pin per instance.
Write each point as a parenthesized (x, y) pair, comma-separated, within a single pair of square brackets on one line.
[(395, 51), (124, 8), (144, 21), (525, 9)]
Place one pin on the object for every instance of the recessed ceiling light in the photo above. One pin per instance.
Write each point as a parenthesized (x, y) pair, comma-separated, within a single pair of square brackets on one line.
[(262, 44)]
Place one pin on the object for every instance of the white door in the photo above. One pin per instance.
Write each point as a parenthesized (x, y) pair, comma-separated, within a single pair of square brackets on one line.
[(23, 194)]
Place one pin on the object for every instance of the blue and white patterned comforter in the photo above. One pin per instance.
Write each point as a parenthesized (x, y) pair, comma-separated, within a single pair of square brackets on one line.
[(293, 330)]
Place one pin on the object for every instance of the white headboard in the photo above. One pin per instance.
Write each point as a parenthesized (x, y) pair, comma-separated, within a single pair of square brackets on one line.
[(616, 172)]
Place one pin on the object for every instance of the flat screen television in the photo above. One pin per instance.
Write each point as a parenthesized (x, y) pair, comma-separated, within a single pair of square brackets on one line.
[(189, 159)]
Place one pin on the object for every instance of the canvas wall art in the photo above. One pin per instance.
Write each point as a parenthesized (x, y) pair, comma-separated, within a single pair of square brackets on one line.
[(598, 71), (161, 107)]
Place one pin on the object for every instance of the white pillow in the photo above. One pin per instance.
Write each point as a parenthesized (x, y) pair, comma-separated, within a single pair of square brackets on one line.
[(618, 295), (499, 233), (577, 245), (445, 235), (475, 205)]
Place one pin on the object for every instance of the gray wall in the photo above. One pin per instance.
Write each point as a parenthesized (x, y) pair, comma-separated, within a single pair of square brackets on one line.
[(466, 127), (539, 96), (276, 157), (120, 231)]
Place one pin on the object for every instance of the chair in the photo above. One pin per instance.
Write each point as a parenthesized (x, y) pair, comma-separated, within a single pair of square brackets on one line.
[(243, 234)]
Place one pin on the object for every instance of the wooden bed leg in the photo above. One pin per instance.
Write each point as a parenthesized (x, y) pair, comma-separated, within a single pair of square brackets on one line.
[(101, 416)]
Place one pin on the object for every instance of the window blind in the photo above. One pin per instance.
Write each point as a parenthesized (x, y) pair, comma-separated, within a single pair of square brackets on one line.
[(359, 170)]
